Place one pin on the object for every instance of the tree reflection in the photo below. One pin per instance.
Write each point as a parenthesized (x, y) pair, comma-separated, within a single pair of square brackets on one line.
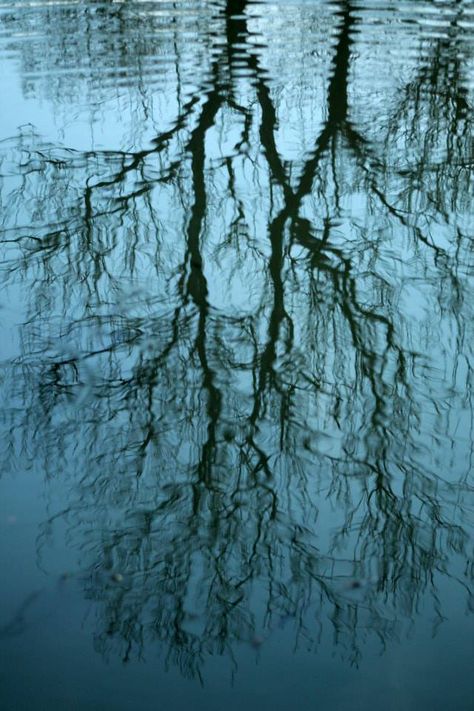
[(258, 385)]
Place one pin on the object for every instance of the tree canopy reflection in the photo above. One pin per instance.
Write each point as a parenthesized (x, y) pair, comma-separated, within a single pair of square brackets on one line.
[(254, 371)]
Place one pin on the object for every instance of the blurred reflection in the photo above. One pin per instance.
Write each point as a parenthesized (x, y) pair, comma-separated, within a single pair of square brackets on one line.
[(245, 350)]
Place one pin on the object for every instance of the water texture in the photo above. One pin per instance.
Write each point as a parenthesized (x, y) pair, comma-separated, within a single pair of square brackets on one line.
[(237, 313)]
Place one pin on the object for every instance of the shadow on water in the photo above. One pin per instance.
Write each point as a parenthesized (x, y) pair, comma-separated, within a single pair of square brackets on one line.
[(251, 372)]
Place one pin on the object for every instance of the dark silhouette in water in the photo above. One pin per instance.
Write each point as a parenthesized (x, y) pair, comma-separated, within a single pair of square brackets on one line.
[(210, 445), (18, 623)]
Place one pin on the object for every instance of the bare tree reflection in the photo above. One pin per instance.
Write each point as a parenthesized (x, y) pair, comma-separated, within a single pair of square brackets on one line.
[(241, 363)]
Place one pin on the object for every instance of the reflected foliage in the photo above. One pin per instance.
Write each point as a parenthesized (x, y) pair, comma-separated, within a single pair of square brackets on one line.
[(246, 345)]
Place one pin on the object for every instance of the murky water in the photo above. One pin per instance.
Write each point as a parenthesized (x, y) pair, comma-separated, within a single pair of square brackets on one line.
[(236, 360)]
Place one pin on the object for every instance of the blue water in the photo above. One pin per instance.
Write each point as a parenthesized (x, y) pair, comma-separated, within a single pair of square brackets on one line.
[(236, 357)]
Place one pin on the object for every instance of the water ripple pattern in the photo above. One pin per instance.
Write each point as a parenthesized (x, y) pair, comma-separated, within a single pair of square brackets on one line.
[(237, 256)]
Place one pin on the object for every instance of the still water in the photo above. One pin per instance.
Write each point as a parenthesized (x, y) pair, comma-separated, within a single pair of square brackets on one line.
[(237, 307)]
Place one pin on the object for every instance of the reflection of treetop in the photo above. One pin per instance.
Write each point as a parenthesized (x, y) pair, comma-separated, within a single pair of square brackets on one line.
[(225, 345)]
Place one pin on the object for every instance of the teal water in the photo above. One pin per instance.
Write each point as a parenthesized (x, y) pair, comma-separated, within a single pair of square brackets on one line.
[(237, 306)]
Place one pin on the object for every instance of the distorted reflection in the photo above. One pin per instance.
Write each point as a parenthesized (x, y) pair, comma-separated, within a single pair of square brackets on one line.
[(246, 323)]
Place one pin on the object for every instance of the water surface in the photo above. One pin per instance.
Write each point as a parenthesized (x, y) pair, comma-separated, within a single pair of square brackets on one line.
[(236, 358)]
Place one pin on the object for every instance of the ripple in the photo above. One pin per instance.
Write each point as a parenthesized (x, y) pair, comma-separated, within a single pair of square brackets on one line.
[(237, 268)]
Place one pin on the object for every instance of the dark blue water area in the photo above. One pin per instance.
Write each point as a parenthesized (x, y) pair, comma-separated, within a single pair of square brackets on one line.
[(54, 654), (236, 423)]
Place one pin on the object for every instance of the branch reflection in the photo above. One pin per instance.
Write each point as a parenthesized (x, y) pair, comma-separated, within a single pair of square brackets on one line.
[(253, 372)]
